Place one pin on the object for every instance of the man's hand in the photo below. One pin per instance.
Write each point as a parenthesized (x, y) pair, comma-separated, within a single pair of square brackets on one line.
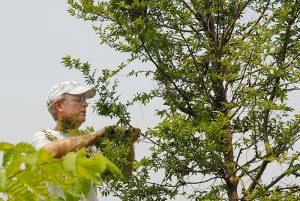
[(100, 132), (133, 134), (118, 135)]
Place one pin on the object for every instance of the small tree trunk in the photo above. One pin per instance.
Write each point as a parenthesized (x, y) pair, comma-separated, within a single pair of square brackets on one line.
[(232, 188), (231, 178)]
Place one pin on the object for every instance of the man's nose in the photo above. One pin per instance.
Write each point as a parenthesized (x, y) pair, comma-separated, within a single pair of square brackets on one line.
[(85, 103)]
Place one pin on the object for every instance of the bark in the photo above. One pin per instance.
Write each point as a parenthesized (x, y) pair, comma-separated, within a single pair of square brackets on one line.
[(231, 178)]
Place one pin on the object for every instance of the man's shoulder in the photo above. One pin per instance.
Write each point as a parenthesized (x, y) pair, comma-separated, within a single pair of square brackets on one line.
[(50, 134), (47, 133), (43, 137), (44, 132)]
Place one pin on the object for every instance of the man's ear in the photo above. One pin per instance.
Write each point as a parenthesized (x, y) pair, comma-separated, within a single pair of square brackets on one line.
[(57, 105)]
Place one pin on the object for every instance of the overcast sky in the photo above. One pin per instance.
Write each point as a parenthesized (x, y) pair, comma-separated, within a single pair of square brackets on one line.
[(34, 36)]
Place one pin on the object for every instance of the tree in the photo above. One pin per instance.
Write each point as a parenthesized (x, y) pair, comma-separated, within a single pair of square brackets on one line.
[(224, 71), (25, 173)]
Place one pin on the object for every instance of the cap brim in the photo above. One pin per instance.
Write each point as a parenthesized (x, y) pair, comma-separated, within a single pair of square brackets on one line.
[(89, 92)]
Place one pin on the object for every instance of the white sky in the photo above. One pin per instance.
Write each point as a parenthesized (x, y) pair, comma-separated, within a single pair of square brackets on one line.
[(34, 36)]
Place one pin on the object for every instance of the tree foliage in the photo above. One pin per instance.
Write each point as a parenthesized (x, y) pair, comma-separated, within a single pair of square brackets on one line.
[(224, 71), (26, 174)]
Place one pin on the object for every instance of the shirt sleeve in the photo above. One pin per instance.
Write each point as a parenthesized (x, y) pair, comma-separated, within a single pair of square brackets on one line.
[(39, 140)]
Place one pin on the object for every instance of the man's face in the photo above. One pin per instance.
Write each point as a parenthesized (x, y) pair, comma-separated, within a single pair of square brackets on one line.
[(74, 109)]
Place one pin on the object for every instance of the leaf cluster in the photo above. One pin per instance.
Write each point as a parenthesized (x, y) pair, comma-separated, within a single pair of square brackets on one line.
[(27, 174)]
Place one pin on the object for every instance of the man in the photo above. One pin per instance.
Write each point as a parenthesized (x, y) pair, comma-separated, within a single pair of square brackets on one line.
[(67, 103)]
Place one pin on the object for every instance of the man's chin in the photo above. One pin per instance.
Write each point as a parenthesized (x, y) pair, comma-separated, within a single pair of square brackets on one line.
[(80, 121)]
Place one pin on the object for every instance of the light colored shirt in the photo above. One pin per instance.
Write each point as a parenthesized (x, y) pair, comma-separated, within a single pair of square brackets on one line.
[(44, 137)]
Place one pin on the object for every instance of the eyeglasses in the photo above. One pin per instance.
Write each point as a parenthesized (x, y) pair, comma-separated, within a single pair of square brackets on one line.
[(79, 99)]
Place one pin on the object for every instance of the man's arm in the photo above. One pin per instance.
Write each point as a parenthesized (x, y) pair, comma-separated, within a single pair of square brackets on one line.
[(59, 148)]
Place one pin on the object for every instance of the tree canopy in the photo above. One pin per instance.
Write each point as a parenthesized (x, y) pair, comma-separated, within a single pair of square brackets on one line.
[(224, 71)]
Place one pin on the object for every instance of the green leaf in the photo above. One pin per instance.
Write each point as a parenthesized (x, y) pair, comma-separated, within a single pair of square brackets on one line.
[(24, 147), (85, 186), (19, 191), (60, 177), (88, 169), (109, 166), (71, 195), (15, 165), (4, 146), (34, 181), (2, 180), (30, 159), (44, 156), (8, 157), (70, 161)]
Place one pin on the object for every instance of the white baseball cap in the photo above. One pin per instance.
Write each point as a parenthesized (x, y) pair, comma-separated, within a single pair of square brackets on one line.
[(70, 87)]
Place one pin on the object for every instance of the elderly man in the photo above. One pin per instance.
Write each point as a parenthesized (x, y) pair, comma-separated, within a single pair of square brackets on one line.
[(67, 103)]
